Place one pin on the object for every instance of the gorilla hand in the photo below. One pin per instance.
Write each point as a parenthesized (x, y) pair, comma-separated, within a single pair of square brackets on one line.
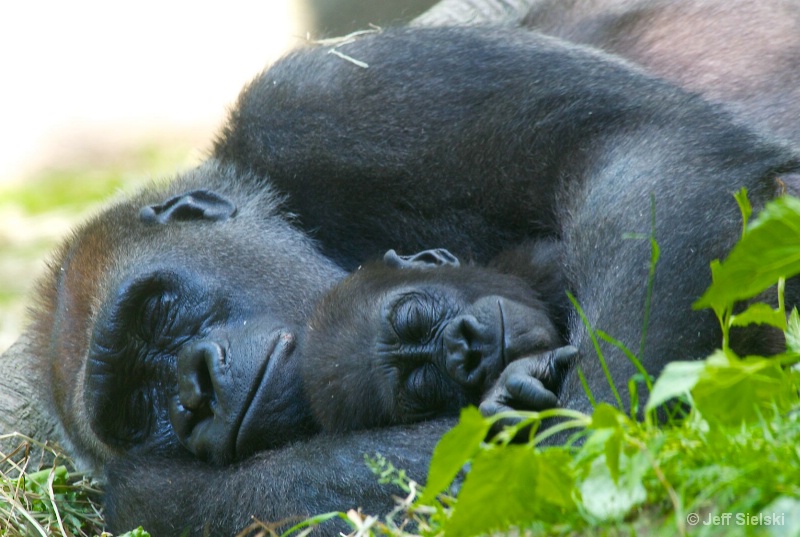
[(529, 383)]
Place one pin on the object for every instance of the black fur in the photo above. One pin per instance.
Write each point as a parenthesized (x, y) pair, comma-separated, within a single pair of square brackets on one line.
[(475, 139)]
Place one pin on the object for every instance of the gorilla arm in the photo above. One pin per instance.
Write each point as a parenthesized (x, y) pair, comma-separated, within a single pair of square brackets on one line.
[(325, 473), (21, 410)]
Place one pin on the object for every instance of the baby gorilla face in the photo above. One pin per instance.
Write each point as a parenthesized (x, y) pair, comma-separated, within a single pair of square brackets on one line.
[(399, 343)]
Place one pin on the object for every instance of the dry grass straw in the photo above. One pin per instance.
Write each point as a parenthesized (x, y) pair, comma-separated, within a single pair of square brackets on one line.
[(41, 494)]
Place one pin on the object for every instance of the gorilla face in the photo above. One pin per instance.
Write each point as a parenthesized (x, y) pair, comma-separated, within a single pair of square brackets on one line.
[(181, 331), (181, 353), (396, 346)]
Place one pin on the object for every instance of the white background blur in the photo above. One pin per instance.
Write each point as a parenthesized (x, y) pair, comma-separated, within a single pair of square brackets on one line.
[(124, 71), (86, 84)]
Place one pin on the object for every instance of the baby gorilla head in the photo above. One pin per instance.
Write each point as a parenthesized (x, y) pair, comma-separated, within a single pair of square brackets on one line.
[(419, 336)]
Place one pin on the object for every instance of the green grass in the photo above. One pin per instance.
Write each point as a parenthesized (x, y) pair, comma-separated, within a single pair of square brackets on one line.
[(50, 501)]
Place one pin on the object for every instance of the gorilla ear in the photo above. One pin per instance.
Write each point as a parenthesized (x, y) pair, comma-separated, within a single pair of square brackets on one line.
[(195, 205), (438, 257)]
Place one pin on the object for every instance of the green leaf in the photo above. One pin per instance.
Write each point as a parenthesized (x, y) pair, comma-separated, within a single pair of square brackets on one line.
[(138, 532), (760, 313), (607, 416), (744, 206), (606, 498), (453, 451), (536, 486), (676, 380), (612, 453), (609, 420), (556, 481), (793, 332), (732, 390), (770, 250)]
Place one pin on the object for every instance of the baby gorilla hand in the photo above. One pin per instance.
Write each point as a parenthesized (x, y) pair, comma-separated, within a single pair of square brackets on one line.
[(529, 383)]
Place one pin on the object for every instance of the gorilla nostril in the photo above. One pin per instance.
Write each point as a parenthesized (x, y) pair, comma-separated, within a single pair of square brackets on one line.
[(195, 365), (464, 345)]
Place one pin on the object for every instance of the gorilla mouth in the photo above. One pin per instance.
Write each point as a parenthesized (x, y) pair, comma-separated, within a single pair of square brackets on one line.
[(503, 344), (260, 402)]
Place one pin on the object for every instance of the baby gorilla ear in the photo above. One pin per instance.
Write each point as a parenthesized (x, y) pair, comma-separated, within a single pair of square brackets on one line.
[(195, 205), (438, 257)]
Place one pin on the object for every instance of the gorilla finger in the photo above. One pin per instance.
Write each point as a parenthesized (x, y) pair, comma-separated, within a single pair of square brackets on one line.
[(529, 393), (563, 359), (529, 366), (491, 407)]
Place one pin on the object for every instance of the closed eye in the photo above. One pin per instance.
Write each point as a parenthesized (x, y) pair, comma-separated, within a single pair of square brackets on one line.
[(414, 318)]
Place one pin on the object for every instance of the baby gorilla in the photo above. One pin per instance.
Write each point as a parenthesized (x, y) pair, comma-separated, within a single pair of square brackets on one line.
[(420, 336)]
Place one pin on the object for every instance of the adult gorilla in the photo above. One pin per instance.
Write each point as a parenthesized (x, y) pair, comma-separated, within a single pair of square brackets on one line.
[(477, 140)]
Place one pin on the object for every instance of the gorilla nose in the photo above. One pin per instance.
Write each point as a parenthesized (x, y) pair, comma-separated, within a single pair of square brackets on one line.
[(198, 365), (471, 351)]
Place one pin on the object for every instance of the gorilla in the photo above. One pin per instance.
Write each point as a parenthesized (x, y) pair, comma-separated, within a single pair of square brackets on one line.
[(477, 140), (418, 336), (127, 294)]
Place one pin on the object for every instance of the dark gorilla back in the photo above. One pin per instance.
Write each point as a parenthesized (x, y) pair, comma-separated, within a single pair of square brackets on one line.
[(474, 139)]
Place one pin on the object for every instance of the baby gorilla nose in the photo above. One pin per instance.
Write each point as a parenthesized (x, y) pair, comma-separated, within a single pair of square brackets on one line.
[(490, 334), (472, 350)]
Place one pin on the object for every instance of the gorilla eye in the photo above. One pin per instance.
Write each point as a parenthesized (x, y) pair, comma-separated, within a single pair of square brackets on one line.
[(415, 317), (427, 391), (155, 314), (166, 320), (128, 423), (422, 379)]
